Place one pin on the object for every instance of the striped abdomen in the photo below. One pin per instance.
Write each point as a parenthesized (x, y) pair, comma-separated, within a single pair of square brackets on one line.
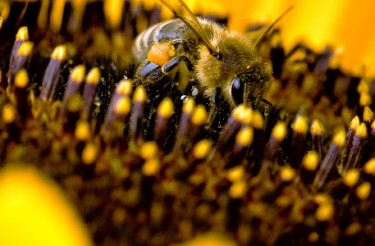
[(161, 32)]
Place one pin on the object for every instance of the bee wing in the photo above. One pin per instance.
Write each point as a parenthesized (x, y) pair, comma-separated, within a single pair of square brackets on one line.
[(264, 34), (179, 8)]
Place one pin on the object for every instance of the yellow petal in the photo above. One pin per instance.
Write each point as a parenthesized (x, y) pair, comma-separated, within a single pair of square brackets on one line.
[(34, 211)]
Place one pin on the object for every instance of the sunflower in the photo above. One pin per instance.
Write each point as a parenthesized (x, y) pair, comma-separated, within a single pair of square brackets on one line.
[(87, 156)]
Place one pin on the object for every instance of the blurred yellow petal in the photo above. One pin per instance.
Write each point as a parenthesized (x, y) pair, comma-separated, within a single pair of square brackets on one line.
[(312, 21), (34, 211)]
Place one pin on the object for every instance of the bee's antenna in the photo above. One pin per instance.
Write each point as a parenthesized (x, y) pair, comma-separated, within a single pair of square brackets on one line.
[(261, 38)]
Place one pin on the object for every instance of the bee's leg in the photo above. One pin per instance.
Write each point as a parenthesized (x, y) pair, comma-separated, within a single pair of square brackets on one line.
[(171, 64), (152, 69), (214, 107), (148, 68), (150, 73), (180, 68), (180, 44), (177, 42)]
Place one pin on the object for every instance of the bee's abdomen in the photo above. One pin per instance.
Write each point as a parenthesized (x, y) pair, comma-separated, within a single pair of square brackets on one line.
[(164, 31)]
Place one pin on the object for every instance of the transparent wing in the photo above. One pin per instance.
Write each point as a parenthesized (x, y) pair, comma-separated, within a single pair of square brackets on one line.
[(261, 38), (179, 8)]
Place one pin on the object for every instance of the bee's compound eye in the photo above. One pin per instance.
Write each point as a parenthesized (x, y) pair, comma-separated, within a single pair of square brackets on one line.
[(237, 90)]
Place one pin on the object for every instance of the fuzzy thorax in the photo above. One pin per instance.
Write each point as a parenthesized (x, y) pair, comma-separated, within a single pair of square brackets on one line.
[(238, 58)]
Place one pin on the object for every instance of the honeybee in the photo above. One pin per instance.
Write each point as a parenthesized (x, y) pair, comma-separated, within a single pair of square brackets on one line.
[(222, 61)]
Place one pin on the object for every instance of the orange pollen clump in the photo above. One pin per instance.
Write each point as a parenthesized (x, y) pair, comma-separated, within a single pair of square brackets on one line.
[(160, 53)]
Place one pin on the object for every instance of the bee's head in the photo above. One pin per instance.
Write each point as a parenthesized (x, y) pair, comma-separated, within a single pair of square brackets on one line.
[(234, 67), (250, 86)]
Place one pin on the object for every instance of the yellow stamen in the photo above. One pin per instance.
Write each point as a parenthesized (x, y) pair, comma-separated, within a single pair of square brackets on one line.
[(165, 108), (93, 76), (199, 115), (22, 79), (201, 149)]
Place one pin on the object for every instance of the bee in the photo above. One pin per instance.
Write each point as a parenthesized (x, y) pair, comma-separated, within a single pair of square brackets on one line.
[(222, 61)]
